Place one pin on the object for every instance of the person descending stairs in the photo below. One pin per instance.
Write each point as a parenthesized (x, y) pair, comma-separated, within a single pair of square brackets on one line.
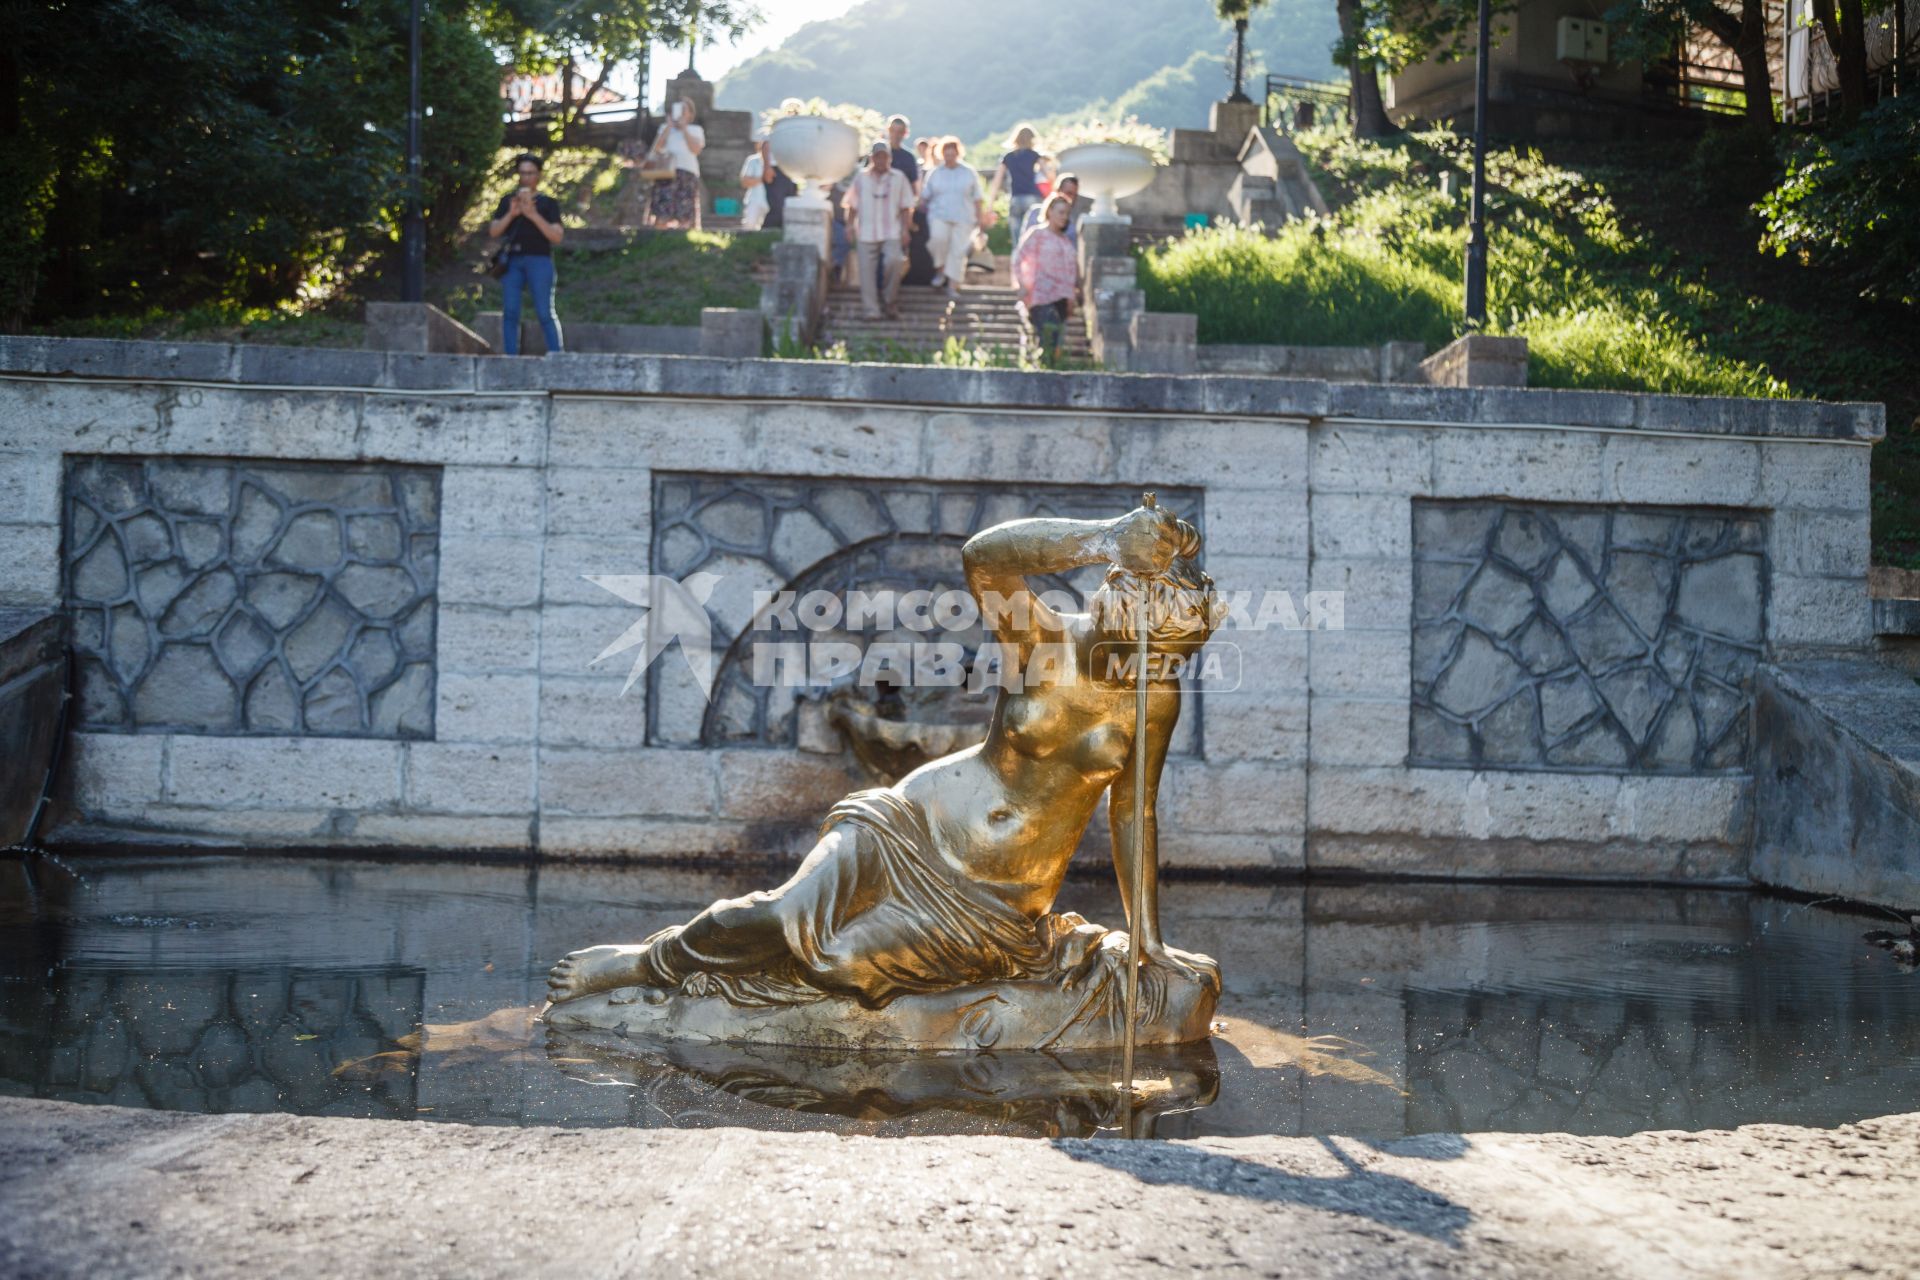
[(984, 316)]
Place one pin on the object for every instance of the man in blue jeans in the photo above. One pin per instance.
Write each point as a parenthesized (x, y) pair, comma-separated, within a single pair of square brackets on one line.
[(531, 223)]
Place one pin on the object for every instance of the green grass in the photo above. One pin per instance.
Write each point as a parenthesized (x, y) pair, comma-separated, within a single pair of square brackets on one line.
[(664, 278), (1388, 265), (226, 322), (655, 278), (1610, 349)]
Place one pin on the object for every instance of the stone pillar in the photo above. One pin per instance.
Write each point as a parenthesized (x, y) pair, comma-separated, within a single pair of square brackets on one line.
[(1105, 238), (1112, 297), (420, 327), (1163, 342), (1233, 121), (690, 86), (809, 224), (1477, 360), (792, 301), (732, 332)]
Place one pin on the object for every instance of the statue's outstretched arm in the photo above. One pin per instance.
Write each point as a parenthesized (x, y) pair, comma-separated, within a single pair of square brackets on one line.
[(998, 560)]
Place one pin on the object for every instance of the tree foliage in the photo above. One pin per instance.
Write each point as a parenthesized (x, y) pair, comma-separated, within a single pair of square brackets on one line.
[(1391, 34), (1847, 204), (178, 151), (543, 34)]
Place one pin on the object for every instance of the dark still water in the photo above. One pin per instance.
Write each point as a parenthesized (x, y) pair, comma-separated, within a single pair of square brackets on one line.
[(407, 990)]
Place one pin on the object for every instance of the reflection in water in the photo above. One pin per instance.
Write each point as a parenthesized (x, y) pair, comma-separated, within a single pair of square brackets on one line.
[(1324, 1057), (501, 1036), (1037, 1095), (409, 990)]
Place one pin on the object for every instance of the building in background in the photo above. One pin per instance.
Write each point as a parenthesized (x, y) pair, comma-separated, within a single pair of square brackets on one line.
[(1553, 72)]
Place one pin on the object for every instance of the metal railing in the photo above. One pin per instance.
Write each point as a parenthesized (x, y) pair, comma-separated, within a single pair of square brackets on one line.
[(597, 125), (1697, 86), (1287, 95)]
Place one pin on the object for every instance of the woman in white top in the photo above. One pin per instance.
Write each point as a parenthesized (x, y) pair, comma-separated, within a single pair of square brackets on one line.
[(950, 194), (753, 183), (675, 203)]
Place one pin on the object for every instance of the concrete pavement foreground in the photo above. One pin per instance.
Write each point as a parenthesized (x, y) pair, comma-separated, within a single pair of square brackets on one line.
[(105, 1191)]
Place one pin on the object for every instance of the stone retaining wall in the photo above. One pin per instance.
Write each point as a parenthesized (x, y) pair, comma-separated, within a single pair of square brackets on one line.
[(547, 469), (31, 684), (1838, 772)]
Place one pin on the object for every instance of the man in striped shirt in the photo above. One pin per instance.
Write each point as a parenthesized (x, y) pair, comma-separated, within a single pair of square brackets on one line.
[(879, 206)]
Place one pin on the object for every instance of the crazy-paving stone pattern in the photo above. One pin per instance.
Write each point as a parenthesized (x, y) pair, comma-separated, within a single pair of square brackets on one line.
[(1584, 638), (228, 597), (777, 534)]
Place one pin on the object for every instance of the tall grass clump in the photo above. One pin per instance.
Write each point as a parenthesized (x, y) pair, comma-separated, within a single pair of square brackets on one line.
[(1308, 286), (1612, 350)]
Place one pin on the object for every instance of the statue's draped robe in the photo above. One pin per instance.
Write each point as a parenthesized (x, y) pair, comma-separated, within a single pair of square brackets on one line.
[(870, 918)]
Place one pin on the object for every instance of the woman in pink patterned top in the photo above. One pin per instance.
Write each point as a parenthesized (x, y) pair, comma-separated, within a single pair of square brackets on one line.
[(1046, 268)]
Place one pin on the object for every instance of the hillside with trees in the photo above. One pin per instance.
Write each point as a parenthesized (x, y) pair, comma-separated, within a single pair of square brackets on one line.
[(1006, 60)]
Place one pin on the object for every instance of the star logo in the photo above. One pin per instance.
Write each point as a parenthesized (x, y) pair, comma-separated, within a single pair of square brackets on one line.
[(674, 611)]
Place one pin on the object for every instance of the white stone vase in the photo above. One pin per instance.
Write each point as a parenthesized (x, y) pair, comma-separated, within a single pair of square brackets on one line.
[(1108, 171), (815, 152)]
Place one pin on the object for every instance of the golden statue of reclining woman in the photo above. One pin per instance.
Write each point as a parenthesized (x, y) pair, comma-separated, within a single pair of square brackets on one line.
[(923, 916)]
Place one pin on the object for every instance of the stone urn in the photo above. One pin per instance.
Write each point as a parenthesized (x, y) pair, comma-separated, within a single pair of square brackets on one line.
[(815, 152), (1108, 172)]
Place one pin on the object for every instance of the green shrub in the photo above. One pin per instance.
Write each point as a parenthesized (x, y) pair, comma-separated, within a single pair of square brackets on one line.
[(1731, 160), (23, 226), (1309, 286), (224, 322), (1849, 203)]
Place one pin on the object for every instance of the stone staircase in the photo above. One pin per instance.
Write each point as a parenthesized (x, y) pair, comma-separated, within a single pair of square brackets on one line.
[(983, 316), (630, 207)]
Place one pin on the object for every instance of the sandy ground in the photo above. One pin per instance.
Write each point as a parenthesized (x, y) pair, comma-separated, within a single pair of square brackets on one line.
[(106, 1191)]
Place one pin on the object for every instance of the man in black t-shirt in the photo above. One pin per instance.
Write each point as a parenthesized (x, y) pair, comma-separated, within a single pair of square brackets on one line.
[(919, 260), (530, 223), (779, 188), (903, 158)]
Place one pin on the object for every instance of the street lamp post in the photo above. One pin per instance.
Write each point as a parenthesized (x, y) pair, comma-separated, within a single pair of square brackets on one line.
[(1239, 61), (1477, 210), (413, 227)]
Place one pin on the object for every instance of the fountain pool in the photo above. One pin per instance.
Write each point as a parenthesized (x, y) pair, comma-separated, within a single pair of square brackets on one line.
[(409, 990)]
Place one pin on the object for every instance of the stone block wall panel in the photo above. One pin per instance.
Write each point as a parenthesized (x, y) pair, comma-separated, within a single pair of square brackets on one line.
[(252, 597), (801, 534), (1586, 639)]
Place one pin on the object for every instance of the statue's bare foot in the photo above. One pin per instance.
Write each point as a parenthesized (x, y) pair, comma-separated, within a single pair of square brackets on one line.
[(591, 969)]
